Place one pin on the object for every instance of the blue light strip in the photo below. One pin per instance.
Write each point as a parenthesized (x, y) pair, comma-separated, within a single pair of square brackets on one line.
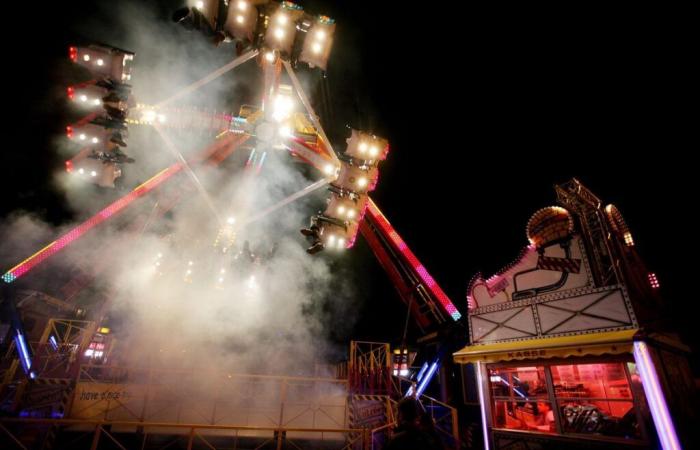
[(52, 341), (428, 377), (422, 371), (23, 352)]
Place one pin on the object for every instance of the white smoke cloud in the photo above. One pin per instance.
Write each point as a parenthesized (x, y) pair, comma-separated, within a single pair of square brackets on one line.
[(264, 316)]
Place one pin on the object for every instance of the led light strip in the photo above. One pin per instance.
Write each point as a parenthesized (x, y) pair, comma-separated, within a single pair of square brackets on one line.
[(425, 277), (655, 397), (480, 387), (38, 257)]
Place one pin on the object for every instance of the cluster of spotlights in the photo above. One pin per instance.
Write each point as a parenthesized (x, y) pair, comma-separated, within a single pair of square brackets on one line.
[(99, 61), (347, 213), (319, 37), (82, 171), (335, 242), (149, 116), (368, 149), (241, 6)]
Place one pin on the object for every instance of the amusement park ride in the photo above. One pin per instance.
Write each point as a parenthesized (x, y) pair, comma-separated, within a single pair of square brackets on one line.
[(56, 382)]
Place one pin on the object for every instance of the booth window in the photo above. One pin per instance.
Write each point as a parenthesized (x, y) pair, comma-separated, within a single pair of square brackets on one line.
[(595, 399), (521, 400), (588, 399)]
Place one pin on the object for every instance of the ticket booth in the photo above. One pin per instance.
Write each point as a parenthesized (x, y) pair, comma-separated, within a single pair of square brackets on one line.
[(569, 342)]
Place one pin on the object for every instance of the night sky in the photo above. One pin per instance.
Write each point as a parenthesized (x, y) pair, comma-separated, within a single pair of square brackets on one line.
[(485, 109)]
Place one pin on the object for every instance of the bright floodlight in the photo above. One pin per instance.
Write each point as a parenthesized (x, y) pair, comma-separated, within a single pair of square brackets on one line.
[(96, 101), (365, 146), (341, 243), (329, 169), (270, 56), (100, 62), (83, 98), (95, 140), (362, 181), (318, 42), (81, 171), (241, 21), (82, 137), (282, 28), (200, 5), (231, 220), (351, 213), (285, 131), (93, 173), (281, 108), (86, 57), (341, 209)]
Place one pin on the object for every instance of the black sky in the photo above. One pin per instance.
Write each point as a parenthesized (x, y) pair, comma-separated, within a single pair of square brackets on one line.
[(485, 109)]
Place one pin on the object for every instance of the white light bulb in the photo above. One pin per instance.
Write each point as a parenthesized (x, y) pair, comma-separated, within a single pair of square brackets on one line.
[(363, 147), (316, 47), (93, 173), (240, 19), (83, 98), (100, 62), (82, 137), (320, 35), (86, 57), (362, 182), (279, 33), (282, 19)]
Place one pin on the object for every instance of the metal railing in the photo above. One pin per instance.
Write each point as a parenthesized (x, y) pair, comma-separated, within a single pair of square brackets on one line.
[(73, 434)]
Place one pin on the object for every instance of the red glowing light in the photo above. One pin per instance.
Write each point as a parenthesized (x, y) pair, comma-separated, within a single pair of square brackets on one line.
[(71, 92), (73, 53), (69, 131), (401, 246), (69, 166), (116, 207), (653, 281)]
